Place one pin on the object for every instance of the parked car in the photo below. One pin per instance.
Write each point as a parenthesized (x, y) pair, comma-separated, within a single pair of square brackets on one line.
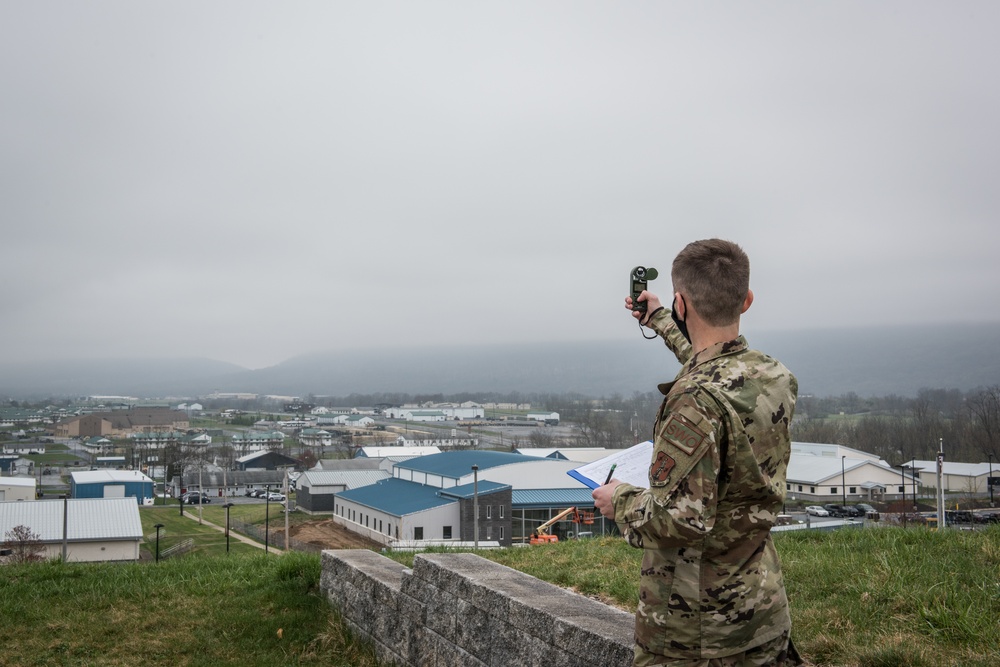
[(195, 498), (987, 516), (844, 511), (834, 510), (276, 497), (867, 510), (958, 516), (816, 510)]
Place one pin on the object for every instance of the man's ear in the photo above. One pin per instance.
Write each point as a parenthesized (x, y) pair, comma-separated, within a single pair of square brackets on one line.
[(746, 302), (680, 306)]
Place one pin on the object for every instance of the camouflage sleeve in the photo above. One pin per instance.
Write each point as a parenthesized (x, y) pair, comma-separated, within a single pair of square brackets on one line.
[(662, 323), (679, 506)]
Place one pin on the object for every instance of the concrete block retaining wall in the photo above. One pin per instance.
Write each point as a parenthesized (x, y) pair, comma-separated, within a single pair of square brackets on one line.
[(460, 610)]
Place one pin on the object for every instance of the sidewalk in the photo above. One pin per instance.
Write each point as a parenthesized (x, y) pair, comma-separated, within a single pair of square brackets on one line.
[(232, 534)]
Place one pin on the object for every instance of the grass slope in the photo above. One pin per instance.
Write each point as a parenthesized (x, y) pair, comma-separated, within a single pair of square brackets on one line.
[(867, 598)]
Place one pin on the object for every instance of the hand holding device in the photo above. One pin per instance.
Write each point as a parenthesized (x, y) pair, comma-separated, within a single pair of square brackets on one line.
[(637, 284)]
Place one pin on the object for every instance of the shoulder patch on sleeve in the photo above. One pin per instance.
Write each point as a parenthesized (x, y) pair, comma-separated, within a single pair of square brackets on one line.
[(659, 470), (683, 435)]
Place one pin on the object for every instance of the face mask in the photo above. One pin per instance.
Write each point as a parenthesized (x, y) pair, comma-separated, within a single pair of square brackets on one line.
[(681, 324)]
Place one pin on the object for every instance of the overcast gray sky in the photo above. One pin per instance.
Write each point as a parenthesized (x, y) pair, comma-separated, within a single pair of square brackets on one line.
[(248, 181)]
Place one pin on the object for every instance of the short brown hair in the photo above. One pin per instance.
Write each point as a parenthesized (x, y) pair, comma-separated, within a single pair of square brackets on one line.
[(715, 275)]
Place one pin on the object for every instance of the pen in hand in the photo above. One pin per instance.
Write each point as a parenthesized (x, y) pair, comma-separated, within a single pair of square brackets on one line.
[(610, 473)]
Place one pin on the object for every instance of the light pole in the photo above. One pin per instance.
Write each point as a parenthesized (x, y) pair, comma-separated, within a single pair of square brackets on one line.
[(475, 507), (267, 514), (843, 479), (989, 480), (227, 506), (902, 478), (158, 526), (65, 539), (940, 484)]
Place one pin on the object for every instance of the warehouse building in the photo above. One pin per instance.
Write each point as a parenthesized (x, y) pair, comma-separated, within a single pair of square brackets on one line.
[(112, 484), (92, 529)]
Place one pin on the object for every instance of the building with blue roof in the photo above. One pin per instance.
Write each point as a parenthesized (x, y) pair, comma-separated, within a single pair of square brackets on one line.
[(395, 510), (432, 499), (112, 484)]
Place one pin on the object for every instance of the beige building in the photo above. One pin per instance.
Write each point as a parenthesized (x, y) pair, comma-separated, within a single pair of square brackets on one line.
[(16, 488), (122, 423), (96, 529)]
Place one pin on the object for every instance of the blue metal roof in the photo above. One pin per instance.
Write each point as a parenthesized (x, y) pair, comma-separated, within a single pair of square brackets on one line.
[(469, 490), (459, 464), (400, 497), (397, 497), (539, 498)]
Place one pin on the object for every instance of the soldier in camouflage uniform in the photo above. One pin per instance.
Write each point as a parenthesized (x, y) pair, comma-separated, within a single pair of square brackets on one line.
[(711, 589)]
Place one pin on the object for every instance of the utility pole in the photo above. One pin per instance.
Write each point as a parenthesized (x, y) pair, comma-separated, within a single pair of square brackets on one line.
[(475, 507), (902, 478), (288, 536), (843, 480), (940, 483), (989, 481)]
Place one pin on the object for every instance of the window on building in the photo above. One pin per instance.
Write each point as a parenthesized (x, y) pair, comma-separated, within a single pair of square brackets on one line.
[(902, 489), (852, 489), (501, 511), (812, 489), (489, 511), (833, 489), (800, 488), (446, 533), (418, 533), (501, 533)]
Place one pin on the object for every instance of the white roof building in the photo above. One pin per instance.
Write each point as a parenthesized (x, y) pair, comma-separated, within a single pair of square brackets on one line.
[(408, 452), (16, 488), (578, 454), (957, 477), (97, 529), (830, 473)]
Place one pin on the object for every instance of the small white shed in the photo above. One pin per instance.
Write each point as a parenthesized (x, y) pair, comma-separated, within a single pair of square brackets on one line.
[(17, 488)]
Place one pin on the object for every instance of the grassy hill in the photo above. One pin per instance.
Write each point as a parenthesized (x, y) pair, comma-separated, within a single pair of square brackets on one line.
[(873, 598)]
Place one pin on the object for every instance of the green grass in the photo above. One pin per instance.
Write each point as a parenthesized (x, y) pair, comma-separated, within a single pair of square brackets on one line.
[(884, 597), (881, 597), (184, 612)]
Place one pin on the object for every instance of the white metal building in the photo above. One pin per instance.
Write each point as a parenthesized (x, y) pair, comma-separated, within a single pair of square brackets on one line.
[(94, 529), (971, 478), (17, 488), (825, 473)]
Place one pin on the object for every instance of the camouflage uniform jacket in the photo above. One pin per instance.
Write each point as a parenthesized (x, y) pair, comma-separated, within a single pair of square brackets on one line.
[(711, 582)]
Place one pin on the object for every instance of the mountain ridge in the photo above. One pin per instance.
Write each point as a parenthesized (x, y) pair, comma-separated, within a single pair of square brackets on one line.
[(869, 362)]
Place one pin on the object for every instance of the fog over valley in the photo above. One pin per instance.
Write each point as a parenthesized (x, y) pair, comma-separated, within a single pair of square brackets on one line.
[(869, 362)]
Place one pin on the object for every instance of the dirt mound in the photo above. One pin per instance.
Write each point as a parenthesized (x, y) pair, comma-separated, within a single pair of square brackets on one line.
[(327, 534)]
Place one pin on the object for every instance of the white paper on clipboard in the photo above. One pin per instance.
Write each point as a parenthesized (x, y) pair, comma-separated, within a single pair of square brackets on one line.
[(631, 466)]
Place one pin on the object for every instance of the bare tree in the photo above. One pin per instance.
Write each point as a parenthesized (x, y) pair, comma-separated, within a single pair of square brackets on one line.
[(984, 420), (308, 459), (541, 439), (25, 545)]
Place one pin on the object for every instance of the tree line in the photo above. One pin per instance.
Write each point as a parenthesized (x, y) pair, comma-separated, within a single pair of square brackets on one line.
[(966, 425), (896, 428)]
